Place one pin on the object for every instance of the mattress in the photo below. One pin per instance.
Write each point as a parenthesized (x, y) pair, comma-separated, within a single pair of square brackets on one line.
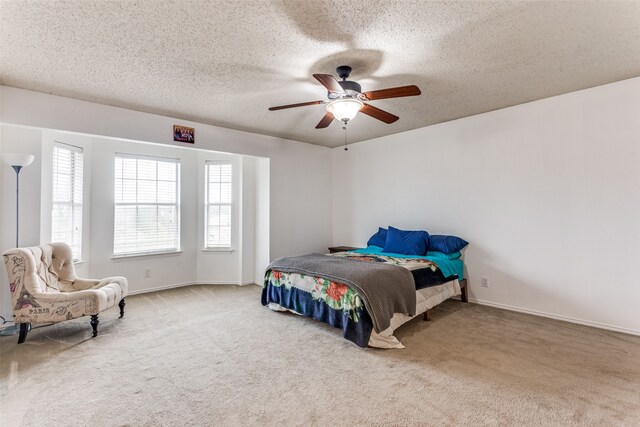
[(426, 299)]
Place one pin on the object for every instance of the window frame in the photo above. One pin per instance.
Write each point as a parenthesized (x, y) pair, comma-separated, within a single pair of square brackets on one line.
[(177, 204), (72, 203), (207, 204)]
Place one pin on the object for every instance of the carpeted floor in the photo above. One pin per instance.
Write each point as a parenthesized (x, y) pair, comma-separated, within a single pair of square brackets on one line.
[(212, 355)]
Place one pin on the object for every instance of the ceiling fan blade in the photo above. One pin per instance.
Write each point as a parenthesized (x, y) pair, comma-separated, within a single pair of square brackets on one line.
[(393, 92), (330, 82), (302, 104), (326, 121), (379, 114)]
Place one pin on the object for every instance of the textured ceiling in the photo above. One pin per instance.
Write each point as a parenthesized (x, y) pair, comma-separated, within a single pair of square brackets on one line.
[(225, 62)]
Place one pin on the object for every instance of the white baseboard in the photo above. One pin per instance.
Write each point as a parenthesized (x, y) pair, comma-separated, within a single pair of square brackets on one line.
[(161, 288), (179, 285), (215, 282), (221, 282), (557, 317)]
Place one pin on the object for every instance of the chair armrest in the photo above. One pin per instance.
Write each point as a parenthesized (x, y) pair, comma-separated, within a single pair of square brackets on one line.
[(56, 297), (83, 284)]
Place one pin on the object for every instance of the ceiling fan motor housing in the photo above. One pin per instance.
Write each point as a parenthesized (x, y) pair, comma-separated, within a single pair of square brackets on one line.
[(343, 71), (349, 85)]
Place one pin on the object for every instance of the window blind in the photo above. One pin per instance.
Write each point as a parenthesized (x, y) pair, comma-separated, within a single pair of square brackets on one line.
[(66, 214), (147, 205), (218, 202)]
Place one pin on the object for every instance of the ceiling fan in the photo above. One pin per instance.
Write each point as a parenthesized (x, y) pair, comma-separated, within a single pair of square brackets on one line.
[(346, 99)]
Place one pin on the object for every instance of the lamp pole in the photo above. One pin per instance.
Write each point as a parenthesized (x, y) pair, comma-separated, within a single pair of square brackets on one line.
[(17, 168), (17, 161)]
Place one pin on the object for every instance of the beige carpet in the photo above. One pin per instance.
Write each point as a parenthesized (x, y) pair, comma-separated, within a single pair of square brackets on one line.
[(207, 355)]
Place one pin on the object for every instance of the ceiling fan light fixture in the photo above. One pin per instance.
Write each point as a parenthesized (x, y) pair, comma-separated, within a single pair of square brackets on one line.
[(346, 99), (345, 109)]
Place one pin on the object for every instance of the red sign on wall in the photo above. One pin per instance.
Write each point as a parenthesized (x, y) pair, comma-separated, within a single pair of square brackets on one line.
[(183, 134)]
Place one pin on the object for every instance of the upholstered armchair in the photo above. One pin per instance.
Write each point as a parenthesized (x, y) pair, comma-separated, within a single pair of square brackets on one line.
[(45, 289)]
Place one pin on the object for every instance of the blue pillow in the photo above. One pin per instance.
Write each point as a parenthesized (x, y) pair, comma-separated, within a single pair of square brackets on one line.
[(379, 238), (446, 244), (406, 242)]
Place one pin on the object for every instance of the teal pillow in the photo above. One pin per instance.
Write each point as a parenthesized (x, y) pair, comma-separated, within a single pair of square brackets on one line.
[(436, 254), (406, 242)]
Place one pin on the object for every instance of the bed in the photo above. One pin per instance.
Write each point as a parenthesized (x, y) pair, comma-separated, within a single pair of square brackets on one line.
[(342, 304)]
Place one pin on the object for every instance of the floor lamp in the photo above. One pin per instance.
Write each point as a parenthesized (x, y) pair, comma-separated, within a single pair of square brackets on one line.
[(17, 161)]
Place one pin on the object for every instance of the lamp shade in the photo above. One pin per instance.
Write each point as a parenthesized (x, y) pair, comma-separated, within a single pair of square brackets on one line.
[(17, 159), (344, 109)]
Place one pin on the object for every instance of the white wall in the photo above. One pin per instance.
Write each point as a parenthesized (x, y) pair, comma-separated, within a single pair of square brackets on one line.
[(547, 193), (262, 220), (249, 219)]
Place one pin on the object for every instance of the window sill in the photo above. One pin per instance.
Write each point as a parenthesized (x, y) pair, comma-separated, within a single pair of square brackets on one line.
[(79, 262), (144, 255), (221, 250)]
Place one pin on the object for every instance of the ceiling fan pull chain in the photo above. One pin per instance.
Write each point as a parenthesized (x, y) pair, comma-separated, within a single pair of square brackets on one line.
[(345, 136)]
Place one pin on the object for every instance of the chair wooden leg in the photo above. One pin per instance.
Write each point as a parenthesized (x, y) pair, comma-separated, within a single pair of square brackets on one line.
[(121, 304), (94, 324), (24, 330), (426, 317)]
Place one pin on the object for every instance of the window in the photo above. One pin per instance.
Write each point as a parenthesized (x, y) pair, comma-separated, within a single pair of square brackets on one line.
[(217, 230), (147, 208), (66, 213)]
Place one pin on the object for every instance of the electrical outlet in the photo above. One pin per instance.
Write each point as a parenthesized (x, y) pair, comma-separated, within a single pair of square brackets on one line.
[(147, 274), (485, 282)]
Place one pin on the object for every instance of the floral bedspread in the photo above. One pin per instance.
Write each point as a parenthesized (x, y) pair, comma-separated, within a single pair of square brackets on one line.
[(331, 302), (335, 295)]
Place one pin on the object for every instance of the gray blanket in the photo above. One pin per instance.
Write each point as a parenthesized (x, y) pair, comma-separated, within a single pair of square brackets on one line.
[(385, 289)]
